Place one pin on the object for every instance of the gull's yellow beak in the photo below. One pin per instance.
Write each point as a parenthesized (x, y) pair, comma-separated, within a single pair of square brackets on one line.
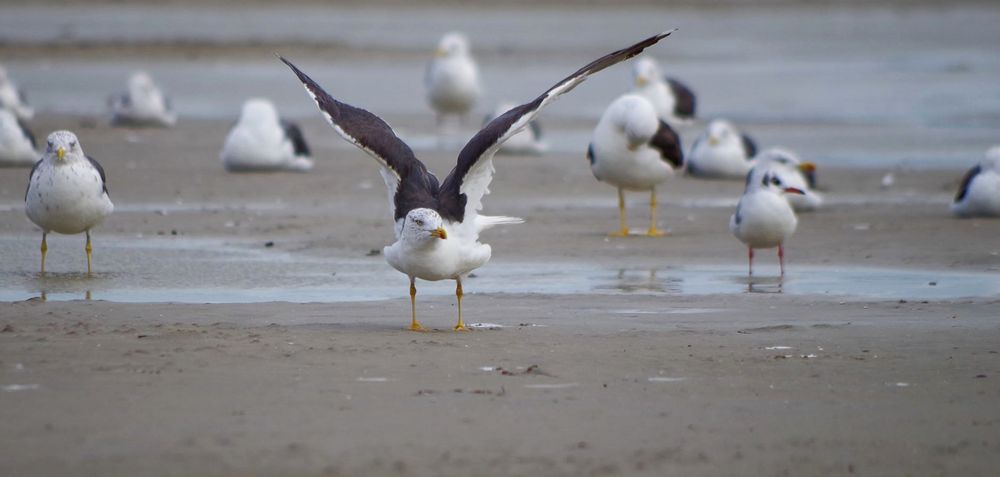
[(60, 153), (439, 233), (807, 167), (641, 81), (440, 52), (713, 141)]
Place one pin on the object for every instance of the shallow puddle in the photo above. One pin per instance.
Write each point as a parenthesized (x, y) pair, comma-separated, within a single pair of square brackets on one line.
[(186, 270)]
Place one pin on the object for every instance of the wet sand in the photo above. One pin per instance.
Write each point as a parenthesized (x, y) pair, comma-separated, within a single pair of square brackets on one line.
[(245, 324), (627, 381)]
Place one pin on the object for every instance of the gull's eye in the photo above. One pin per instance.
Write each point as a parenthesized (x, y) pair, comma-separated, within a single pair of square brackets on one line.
[(419, 222), (72, 145), (776, 181)]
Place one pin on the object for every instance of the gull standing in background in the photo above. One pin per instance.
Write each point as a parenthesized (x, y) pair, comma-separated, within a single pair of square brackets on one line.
[(673, 100), (13, 98), (67, 191), (632, 149), (764, 218), (17, 143), (437, 224), (262, 141), (144, 104), (452, 78)]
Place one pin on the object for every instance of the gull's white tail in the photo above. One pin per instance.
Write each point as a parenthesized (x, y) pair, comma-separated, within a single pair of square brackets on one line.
[(484, 222)]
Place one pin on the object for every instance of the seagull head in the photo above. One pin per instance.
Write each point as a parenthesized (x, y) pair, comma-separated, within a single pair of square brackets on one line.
[(452, 45), (992, 160), (645, 71), (259, 111), (721, 131), (790, 160), (141, 82), (423, 225), (769, 179), (64, 146)]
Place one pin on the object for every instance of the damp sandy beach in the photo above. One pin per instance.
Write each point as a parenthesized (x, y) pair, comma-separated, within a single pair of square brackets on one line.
[(248, 325)]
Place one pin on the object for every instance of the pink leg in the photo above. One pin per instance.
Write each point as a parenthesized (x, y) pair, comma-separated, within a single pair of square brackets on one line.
[(750, 255), (781, 258)]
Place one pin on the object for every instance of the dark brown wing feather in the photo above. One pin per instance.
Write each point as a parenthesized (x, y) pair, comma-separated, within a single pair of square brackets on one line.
[(963, 190), (668, 142), (294, 134), (100, 170), (749, 146), (416, 187), (685, 103)]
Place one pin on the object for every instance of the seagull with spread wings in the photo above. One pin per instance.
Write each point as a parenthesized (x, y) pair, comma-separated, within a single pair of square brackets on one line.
[(437, 224)]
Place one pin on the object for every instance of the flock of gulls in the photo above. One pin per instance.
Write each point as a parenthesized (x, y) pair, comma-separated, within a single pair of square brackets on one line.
[(634, 147)]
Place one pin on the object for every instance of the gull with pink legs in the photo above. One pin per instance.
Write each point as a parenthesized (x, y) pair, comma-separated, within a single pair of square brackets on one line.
[(764, 218)]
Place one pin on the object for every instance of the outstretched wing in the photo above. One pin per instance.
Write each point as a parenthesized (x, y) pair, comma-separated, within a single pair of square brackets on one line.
[(410, 185), (462, 192)]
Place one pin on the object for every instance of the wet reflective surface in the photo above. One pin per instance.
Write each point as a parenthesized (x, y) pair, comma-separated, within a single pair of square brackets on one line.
[(186, 270)]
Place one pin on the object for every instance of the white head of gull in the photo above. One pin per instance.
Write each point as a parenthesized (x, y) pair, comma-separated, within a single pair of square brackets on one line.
[(437, 223), (794, 172)]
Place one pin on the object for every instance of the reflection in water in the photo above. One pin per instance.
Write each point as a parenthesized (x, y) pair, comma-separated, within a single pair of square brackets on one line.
[(765, 284), (44, 296), (633, 281), (68, 285)]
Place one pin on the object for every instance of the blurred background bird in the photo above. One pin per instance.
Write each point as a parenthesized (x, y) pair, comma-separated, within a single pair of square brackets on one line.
[(721, 152), (979, 193), (17, 142), (13, 98), (452, 78), (633, 149), (262, 141), (143, 104)]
